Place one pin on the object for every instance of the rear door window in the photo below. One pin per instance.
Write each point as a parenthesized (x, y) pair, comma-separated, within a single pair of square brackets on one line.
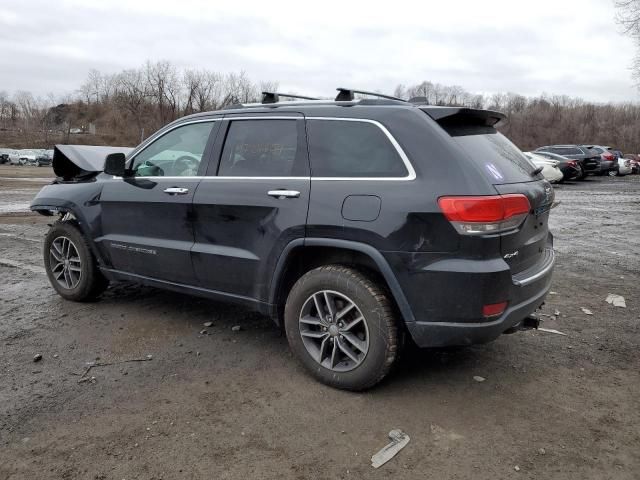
[(352, 149), (263, 148)]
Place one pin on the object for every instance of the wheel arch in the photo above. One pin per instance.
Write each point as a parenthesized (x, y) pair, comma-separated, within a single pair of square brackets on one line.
[(303, 255), (67, 210)]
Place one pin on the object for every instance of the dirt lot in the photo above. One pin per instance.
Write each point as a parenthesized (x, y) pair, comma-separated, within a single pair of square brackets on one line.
[(236, 405)]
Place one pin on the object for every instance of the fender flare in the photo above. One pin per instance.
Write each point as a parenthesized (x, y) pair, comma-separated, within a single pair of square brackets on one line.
[(366, 249), (51, 206)]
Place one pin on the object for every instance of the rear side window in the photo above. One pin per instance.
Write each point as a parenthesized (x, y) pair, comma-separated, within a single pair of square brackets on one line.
[(499, 159), (346, 148), (262, 148)]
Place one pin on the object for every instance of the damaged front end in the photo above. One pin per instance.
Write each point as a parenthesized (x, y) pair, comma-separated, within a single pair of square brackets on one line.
[(81, 163), (77, 168)]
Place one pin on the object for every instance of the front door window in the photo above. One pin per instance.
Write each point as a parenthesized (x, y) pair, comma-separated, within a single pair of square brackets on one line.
[(177, 153)]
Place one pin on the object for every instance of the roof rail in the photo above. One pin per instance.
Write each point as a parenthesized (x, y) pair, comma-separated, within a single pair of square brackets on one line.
[(347, 95), (274, 97)]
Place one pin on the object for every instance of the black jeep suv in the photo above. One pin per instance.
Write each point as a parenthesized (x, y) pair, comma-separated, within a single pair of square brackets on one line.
[(352, 223)]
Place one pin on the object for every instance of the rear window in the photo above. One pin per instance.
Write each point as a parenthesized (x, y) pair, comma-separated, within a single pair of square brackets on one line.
[(499, 159)]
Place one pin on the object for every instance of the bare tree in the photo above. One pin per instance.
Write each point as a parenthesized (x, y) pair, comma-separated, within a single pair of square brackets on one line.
[(132, 94), (628, 17)]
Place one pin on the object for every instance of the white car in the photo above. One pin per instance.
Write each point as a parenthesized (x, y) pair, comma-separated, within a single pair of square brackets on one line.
[(27, 157), (624, 168), (550, 169)]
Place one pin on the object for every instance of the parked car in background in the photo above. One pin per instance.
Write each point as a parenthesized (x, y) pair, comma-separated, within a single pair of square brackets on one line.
[(44, 159), (608, 159), (4, 158), (550, 169), (624, 167), (634, 161), (589, 159), (571, 169), (27, 157), (9, 154)]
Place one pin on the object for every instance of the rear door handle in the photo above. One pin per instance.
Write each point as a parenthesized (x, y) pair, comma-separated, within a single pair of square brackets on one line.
[(284, 193), (176, 191)]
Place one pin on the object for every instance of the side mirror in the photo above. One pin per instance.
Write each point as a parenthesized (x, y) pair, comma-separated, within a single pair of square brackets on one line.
[(114, 164)]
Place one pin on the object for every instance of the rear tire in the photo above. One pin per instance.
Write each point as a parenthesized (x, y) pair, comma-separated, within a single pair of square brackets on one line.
[(341, 326), (70, 265), (613, 173)]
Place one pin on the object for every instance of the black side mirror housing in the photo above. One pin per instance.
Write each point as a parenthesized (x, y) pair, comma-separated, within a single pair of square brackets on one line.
[(114, 164)]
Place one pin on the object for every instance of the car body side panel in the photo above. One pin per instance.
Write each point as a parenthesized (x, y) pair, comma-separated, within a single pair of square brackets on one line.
[(146, 231), (240, 232)]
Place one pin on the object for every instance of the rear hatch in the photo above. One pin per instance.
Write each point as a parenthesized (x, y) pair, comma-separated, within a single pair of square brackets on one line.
[(510, 172)]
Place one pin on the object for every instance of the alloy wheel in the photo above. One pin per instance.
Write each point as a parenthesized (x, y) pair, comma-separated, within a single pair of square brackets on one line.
[(65, 263), (334, 331)]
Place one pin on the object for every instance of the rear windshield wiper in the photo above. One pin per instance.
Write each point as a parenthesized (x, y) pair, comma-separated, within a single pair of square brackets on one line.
[(536, 171)]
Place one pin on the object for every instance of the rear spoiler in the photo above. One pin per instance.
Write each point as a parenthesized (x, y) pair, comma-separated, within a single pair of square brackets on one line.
[(78, 161), (451, 116)]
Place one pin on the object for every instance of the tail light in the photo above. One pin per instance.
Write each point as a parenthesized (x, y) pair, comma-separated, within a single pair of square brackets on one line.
[(608, 156), (485, 214), (573, 163)]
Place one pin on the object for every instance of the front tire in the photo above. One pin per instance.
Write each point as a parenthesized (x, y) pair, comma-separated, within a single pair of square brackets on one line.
[(613, 173), (342, 327), (70, 265)]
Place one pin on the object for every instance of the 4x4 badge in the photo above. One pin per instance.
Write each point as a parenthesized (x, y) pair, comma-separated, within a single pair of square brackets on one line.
[(511, 255)]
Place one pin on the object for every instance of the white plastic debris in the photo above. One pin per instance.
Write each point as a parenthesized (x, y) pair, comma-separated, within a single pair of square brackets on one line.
[(478, 378), (399, 440), (616, 300), (586, 311), (551, 330)]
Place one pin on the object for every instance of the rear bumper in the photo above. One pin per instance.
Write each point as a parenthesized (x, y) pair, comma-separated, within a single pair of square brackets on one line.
[(446, 298), (441, 334)]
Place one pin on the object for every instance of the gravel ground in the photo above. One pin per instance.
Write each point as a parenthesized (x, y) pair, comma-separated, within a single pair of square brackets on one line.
[(234, 405)]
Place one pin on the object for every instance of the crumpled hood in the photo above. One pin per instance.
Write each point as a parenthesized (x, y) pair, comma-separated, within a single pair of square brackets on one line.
[(71, 161)]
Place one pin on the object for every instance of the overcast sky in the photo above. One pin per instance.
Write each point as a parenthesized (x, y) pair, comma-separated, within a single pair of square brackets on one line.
[(556, 46)]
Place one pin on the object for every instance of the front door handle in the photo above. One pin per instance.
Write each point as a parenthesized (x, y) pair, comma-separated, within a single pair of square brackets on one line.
[(176, 191), (284, 193)]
